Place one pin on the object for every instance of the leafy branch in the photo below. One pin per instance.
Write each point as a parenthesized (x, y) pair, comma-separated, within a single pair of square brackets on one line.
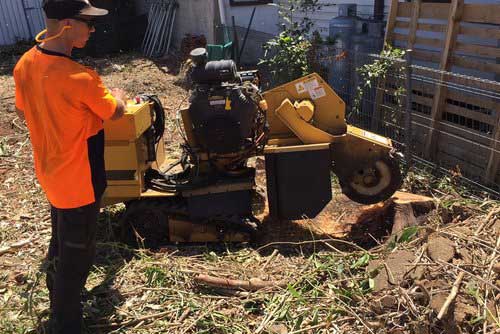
[(287, 55), (376, 72)]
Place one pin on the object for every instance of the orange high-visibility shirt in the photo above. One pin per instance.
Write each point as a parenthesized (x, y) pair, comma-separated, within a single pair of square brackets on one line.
[(64, 104)]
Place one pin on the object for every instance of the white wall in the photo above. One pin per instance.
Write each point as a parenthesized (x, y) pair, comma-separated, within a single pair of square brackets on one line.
[(266, 17), (196, 17)]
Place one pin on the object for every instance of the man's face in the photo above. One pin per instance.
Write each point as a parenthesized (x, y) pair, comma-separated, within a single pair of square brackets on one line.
[(82, 27)]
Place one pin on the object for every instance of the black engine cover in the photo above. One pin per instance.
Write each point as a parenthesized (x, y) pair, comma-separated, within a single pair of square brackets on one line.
[(222, 118)]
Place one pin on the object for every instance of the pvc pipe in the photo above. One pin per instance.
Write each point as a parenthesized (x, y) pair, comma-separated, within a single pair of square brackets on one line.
[(222, 12), (164, 30), (148, 29), (163, 17), (171, 29)]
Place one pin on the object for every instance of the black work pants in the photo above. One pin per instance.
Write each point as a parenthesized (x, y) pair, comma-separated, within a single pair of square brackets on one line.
[(70, 256)]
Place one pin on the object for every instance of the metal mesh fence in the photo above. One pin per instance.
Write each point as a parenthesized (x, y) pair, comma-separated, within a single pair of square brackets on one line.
[(449, 122), (377, 105)]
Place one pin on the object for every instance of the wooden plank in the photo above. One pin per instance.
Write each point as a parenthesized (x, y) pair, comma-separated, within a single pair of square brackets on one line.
[(471, 114), (440, 95), (432, 27), (451, 161), (434, 42), (483, 102), (492, 86), (465, 150), (476, 65), (422, 120), (422, 100), (482, 13), (494, 158), (391, 21), (402, 25), (435, 11), (400, 37), (415, 97), (424, 87), (480, 32), (479, 50), (412, 34), (486, 33), (418, 137), (389, 33), (403, 9), (431, 56), (465, 134)]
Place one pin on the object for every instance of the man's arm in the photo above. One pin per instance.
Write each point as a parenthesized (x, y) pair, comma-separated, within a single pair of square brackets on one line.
[(119, 111), (120, 97)]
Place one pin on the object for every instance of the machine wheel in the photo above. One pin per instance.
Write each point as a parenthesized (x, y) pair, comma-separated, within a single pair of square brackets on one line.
[(145, 224), (374, 183)]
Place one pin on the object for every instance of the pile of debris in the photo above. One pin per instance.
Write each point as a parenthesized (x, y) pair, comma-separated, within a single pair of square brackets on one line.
[(446, 280), (434, 274)]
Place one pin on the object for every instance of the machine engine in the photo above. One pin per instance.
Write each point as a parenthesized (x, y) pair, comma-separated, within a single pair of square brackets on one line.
[(225, 110)]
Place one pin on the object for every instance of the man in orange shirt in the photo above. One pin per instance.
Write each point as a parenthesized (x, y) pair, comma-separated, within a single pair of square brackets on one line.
[(64, 105)]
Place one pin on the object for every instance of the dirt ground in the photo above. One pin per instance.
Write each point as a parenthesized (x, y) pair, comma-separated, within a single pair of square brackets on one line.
[(343, 273)]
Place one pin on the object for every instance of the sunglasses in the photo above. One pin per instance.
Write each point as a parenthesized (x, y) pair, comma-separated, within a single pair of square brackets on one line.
[(90, 23)]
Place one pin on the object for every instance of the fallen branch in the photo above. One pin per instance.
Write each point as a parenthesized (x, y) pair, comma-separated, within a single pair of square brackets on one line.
[(8, 249), (308, 242), (451, 296), (132, 321), (471, 274), (232, 293), (225, 283), (275, 252), (310, 328), (485, 222), (184, 315), (19, 127)]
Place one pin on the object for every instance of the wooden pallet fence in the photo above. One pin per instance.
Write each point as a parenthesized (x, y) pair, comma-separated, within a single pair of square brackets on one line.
[(455, 126)]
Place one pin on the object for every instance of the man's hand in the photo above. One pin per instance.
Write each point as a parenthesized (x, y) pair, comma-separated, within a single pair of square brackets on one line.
[(119, 94), (121, 100)]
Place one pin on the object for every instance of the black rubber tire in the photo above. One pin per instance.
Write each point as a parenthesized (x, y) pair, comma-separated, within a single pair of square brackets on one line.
[(382, 195), (145, 224)]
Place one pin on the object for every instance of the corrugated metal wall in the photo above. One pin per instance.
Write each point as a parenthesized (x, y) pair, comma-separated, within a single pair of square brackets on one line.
[(20, 20)]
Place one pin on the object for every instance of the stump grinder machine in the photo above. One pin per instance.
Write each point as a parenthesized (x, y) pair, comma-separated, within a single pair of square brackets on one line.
[(206, 195)]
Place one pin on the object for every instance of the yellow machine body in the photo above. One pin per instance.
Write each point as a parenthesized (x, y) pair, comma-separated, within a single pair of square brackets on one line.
[(305, 115), (308, 111), (125, 154)]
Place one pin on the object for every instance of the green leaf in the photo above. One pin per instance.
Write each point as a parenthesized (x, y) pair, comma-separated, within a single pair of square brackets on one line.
[(362, 261), (298, 322), (3, 149), (293, 292), (407, 234), (315, 318)]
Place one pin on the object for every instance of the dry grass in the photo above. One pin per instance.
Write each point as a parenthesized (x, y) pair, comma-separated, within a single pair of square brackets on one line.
[(329, 289)]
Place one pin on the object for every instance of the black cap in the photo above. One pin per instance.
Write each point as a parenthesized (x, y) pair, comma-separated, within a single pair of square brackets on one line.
[(64, 9)]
